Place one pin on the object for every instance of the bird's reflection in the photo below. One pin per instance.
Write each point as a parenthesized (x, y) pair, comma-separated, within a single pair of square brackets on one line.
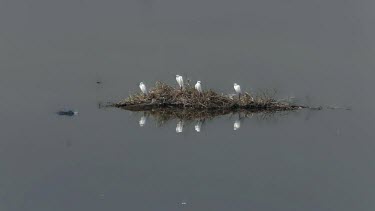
[(142, 121), (180, 126), (197, 119), (237, 124), (198, 126)]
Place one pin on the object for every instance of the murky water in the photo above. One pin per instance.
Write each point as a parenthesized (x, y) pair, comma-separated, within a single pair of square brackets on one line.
[(53, 53)]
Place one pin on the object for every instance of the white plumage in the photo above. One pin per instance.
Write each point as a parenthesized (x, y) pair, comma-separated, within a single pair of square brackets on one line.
[(237, 88), (198, 86), (180, 81), (142, 86)]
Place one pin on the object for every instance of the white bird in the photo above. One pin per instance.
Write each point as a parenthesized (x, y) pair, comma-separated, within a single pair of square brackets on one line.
[(237, 88), (180, 81), (198, 86), (237, 125), (142, 121), (198, 126), (179, 127), (142, 86)]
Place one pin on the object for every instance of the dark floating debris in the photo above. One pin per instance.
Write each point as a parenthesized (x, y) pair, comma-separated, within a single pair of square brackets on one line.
[(67, 113)]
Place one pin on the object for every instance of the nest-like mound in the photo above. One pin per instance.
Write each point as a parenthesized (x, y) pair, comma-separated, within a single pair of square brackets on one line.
[(164, 96)]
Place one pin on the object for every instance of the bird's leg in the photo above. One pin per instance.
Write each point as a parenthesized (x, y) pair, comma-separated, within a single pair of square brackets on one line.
[(239, 96)]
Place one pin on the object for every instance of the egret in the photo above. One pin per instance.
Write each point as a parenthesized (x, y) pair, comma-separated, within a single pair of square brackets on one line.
[(237, 125), (142, 121), (142, 86), (180, 81), (198, 86), (237, 88), (180, 126)]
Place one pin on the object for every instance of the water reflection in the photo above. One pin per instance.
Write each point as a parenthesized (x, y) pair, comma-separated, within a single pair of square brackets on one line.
[(180, 126), (197, 119), (237, 125), (198, 126), (143, 120)]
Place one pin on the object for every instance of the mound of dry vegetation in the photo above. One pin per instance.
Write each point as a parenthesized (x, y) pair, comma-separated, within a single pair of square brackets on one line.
[(164, 96)]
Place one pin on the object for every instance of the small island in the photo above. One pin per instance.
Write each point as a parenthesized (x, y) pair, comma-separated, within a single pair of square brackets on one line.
[(167, 98)]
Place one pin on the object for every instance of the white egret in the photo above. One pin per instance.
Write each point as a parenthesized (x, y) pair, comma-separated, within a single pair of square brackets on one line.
[(198, 86), (237, 88), (237, 125), (180, 81), (198, 126), (142, 121), (180, 126), (142, 86)]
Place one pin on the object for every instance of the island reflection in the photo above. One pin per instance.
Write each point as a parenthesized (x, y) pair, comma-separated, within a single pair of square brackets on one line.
[(185, 117)]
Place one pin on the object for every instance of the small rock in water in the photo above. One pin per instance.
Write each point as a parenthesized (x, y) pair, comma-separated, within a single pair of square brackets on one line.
[(67, 113)]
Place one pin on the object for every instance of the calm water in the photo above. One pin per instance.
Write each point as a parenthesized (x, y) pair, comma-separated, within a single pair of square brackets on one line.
[(53, 52)]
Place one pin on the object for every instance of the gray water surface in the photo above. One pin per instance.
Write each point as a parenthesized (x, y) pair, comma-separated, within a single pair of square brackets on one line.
[(53, 52)]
